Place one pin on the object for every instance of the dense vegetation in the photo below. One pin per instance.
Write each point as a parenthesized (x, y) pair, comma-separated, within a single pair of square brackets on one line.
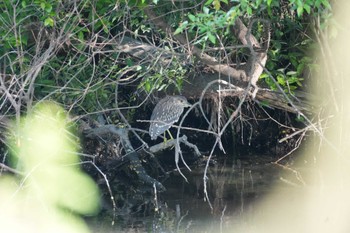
[(113, 59), (71, 51)]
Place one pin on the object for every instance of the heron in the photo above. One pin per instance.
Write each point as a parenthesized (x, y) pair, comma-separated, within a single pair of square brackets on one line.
[(167, 111)]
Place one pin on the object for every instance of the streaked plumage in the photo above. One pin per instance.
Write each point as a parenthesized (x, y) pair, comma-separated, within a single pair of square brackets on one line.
[(166, 113)]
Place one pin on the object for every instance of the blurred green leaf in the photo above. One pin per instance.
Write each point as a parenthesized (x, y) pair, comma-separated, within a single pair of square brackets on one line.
[(147, 86), (49, 22), (307, 8), (300, 10), (208, 2), (211, 37), (192, 17), (217, 5), (55, 187)]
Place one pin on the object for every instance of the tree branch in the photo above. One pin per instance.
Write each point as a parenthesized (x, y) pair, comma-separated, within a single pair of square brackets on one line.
[(225, 69)]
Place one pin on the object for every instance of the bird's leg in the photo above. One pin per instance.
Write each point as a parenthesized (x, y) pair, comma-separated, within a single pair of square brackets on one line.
[(171, 136), (164, 137)]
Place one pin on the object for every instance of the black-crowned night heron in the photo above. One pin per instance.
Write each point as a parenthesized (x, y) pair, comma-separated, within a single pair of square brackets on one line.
[(166, 113)]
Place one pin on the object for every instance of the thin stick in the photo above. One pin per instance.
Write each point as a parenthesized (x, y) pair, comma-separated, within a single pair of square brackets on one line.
[(108, 187)]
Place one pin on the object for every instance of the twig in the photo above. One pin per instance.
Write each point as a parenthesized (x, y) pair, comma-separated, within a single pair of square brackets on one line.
[(4, 166), (108, 187), (222, 218)]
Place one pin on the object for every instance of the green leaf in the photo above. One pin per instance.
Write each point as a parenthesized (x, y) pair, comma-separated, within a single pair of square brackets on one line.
[(42, 5), (147, 86), (300, 10), (48, 7), (231, 15), (307, 8), (208, 2), (211, 37), (48, 22), (249, 10), (292, 80), (281, 80), (292, 88), (178, 30), (206, 10), (290, 73), (326, 4), (217, 5), (192, 17), (263, 76)]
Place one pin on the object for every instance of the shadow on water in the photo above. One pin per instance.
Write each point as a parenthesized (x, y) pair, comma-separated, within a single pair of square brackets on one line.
[(233, 189)]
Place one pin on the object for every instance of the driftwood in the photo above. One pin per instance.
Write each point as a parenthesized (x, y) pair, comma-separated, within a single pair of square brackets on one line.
[(131, 157), (265, 97), (171, 143)]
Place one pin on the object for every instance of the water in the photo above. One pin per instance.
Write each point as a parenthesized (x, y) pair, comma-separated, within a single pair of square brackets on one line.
[(234, 189)]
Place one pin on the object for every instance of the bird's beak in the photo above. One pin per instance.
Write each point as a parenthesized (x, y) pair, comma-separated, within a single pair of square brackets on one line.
[(188, 104)]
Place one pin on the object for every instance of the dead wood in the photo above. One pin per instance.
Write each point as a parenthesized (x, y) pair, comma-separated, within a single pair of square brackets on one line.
[(131, 157)]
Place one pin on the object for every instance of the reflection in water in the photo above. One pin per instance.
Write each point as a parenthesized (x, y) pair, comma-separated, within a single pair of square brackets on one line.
[(234, 190), (229, 185)]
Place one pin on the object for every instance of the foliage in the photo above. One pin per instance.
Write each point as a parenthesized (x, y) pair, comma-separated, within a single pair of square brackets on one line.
[(74, 76), (85, 67), (162, 80), (207, 24), (69, 51), (81, 75), (290, 45)]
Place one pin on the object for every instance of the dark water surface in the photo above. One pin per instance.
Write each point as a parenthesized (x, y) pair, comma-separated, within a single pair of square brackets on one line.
[(233, 188)]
